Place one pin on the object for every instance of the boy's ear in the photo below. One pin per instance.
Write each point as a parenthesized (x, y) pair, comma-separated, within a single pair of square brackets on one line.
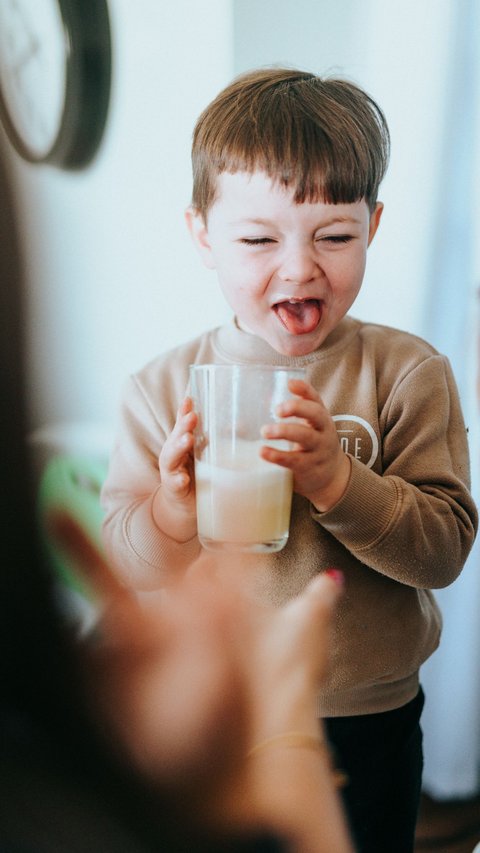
[(199, 234), (375, 221)]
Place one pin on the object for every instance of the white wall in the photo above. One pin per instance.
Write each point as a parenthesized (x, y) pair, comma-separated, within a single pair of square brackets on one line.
[(113, 278)]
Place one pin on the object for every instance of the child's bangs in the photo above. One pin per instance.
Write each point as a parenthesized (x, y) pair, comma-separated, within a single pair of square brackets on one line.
[(324, 140), (306, 162), (319, 158)]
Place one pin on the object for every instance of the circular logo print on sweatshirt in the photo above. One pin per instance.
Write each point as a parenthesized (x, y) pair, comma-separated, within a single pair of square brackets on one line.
[(357, 437)]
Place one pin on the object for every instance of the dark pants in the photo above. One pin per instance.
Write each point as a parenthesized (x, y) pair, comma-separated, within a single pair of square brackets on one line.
[(383, 759)]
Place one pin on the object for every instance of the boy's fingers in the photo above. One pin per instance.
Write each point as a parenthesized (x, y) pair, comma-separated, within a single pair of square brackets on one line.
[(310, 410), (303, 389), (186, 416), (185, 406), (177, 450), (174, 454), (297, 433)]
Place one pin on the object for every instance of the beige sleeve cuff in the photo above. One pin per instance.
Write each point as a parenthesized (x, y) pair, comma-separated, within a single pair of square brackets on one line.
[(366, 510), (144, 555)]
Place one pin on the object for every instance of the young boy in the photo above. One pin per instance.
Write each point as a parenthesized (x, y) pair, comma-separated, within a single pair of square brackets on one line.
[(286, 172)]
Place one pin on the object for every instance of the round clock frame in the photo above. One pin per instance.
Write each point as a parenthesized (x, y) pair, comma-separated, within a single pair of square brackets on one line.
[(86, 55)]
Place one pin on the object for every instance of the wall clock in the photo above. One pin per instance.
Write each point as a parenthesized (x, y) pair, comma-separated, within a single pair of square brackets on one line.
[(55, 76)]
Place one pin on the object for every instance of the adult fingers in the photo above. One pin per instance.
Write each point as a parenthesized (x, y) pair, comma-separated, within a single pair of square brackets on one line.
[(86, 556)]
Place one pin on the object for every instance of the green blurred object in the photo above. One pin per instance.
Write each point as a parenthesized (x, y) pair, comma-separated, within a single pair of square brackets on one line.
[(72, 484)]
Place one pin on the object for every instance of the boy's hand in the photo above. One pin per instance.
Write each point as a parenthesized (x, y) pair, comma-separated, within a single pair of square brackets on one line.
[(321, 470), (176, 457), (174, 506)]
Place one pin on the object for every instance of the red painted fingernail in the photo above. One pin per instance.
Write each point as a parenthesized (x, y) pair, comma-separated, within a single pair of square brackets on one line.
[(336, 575)]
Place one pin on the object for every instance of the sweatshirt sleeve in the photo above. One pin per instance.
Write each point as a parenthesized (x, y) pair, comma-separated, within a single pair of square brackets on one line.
[(142, 555), (415, 521)]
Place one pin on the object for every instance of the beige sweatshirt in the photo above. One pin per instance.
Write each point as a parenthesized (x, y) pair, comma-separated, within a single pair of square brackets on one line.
[(405, 524)]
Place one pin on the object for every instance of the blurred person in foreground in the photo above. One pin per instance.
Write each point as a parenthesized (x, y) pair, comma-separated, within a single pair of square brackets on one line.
[(186, 727)]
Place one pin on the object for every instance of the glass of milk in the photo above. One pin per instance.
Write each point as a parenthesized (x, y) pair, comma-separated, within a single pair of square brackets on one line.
[(243, 501)]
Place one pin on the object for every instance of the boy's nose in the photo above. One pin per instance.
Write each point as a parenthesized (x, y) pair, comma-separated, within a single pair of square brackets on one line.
[(299, 266)]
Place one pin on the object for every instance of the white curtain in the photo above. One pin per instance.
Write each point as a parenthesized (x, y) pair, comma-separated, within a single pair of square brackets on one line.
[(451, 678)]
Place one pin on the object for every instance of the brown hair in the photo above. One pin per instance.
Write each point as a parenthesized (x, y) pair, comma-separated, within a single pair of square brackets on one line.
[(325, 138)]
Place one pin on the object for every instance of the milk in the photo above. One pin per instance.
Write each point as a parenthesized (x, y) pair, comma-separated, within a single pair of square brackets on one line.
[(243, 501)]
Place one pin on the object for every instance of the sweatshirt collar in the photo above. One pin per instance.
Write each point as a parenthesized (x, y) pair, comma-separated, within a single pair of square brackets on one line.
[(234, 344)]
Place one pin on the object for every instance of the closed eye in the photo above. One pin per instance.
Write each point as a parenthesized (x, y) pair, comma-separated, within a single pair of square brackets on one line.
[(336, 238), (256, 241)]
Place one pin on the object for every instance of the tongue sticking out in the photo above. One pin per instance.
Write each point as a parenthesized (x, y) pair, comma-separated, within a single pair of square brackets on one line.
[(299, 318)]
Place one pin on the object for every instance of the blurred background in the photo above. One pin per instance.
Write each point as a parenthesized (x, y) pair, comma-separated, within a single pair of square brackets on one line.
[(112, 279)]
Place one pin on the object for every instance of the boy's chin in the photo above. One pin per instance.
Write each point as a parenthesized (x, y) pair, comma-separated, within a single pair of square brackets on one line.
[(287, 344), (295, 345), (297, 348)]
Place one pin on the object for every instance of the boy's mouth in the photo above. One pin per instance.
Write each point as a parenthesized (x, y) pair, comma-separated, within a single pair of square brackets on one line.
[(299, 316)]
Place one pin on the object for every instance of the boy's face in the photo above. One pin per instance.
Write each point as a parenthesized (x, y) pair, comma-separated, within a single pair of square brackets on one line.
[(289, 271)]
